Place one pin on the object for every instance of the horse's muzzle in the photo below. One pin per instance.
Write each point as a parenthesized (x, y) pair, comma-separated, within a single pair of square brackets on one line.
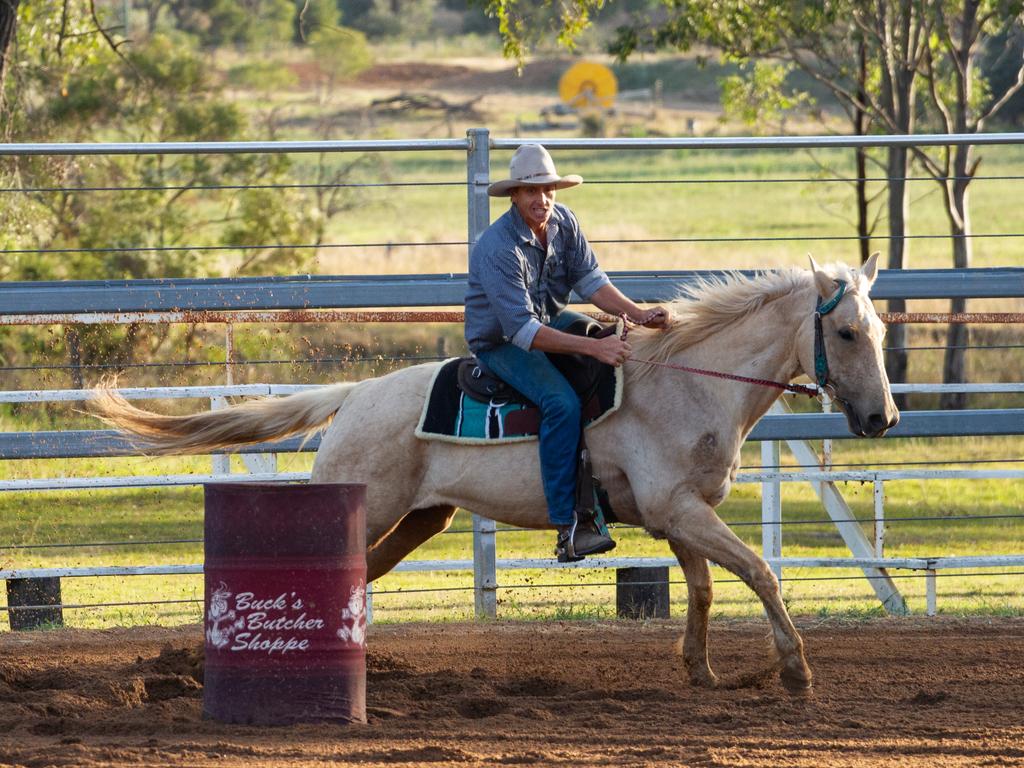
[(877, 424), (873, 425)]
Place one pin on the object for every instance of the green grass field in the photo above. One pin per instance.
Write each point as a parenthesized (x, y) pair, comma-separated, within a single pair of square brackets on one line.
[(751, 199), (151, 515)]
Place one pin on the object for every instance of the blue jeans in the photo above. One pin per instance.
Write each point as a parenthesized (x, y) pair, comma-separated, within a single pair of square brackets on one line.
[(537, 378)]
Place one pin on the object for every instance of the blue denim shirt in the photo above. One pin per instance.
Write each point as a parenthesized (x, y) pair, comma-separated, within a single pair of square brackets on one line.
[(515, 287)]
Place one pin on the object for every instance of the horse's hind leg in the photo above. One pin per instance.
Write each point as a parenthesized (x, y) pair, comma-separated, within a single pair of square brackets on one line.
[(694, 523), (698, 606), (411, 531)]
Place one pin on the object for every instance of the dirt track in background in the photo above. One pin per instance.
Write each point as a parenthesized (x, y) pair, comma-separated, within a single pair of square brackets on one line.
[(917, 692)]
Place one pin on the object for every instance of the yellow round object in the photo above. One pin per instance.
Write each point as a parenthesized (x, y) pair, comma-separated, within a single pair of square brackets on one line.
[(588, 85)]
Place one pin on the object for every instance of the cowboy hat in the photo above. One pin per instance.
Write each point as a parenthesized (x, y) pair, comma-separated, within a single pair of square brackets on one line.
[(531, 165)]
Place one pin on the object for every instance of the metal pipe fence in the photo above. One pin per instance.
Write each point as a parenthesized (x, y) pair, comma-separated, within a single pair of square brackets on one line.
[(769, 474), (328, 300)]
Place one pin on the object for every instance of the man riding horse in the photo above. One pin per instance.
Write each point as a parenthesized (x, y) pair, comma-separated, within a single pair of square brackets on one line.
[(521, 273)]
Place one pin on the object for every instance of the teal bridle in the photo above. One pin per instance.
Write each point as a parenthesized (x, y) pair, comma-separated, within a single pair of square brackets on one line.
[(820, 356)]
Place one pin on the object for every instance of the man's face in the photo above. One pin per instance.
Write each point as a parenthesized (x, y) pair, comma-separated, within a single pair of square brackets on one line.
[(534, 204)]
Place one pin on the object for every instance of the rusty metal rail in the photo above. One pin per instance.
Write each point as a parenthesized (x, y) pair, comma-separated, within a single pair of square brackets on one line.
[(237, 317), (954, 318), (409, 316)]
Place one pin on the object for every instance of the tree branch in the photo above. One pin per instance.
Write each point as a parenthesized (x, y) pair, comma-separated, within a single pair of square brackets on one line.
[(103, 32), (63, 29), (1008, 94), (302, 21), (930, 78)]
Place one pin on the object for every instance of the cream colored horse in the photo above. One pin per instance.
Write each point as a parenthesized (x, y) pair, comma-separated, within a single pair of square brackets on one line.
[(667, 457)]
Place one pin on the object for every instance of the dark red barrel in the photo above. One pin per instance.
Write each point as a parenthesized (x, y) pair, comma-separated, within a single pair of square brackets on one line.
[(285, 621)]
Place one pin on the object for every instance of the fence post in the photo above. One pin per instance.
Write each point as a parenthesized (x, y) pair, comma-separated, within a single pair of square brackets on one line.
[(478, 175), (642, 593), (485, 573), (771, 505), (221, 462), (879, 506), (34, 603)]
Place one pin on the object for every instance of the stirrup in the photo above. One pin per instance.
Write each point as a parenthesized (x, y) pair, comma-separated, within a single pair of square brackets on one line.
[(564, 548), (581, 538)]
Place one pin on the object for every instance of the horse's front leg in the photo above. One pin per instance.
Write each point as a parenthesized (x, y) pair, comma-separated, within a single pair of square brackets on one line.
[(692, 522), (698, 607)]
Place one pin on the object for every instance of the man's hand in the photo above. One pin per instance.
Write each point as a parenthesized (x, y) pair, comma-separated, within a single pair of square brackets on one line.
[(610, 350), (610, 299), (658, 317)]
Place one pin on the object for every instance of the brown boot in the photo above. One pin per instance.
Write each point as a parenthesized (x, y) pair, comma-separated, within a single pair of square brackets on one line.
[(579, 539)]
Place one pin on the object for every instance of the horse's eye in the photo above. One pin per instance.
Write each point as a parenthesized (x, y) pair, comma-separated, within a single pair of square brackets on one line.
[(846, 334)]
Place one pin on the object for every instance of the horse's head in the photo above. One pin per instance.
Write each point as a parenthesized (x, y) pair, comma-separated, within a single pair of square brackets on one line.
[(847, 358)]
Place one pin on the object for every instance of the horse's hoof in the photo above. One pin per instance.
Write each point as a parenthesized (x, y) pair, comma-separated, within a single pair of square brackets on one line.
[(796, 681), (703, 679)]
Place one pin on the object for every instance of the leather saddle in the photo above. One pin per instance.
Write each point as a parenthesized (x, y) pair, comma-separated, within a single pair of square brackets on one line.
[(581, 371)]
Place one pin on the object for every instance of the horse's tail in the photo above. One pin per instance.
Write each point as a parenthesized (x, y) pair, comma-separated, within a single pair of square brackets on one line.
[(253, 421)]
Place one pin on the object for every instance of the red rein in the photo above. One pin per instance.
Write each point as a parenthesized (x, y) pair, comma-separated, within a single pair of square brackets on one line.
[(799, 389)]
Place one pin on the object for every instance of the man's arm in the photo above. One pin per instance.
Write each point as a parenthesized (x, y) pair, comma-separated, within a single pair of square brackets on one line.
[(610, 349)]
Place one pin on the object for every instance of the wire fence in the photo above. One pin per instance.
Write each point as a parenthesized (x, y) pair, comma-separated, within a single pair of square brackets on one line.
[(788, 524), (532, 585), (329, 363), (429, 244), (381, 359), (461, 184), (757, 177), (862, 521)]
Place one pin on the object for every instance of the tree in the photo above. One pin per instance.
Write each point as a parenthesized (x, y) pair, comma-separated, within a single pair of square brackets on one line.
[(8, 23), (315, 15), (339, 53), (876, 58), (963, 103), (893, 37), (388, 18), (165, 212), (228, 22), (523, 25)]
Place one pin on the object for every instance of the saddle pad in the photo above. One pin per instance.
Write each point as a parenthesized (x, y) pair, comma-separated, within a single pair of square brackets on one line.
[(450, 416)]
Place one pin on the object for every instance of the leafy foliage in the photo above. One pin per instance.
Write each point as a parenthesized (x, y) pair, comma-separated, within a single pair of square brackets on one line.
[(410, 19), (340, 52), (235, 22), (265, 76), (315, 16), (523, 25), (139, 215), (758, 96)]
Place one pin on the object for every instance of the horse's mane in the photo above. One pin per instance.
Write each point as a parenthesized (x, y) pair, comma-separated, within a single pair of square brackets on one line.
[(710, 304)]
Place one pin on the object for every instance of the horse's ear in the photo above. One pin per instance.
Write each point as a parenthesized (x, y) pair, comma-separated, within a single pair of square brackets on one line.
[(826, 285), (870, 267)]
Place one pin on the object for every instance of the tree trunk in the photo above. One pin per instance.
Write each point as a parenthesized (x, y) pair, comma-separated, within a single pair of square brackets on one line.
[(152, 15), (860, 128), (8, 28), (896, 354), (954, 365), (863, 233)]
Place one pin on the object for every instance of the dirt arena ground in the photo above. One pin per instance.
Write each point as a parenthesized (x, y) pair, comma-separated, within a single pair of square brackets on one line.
[(918, 692)]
